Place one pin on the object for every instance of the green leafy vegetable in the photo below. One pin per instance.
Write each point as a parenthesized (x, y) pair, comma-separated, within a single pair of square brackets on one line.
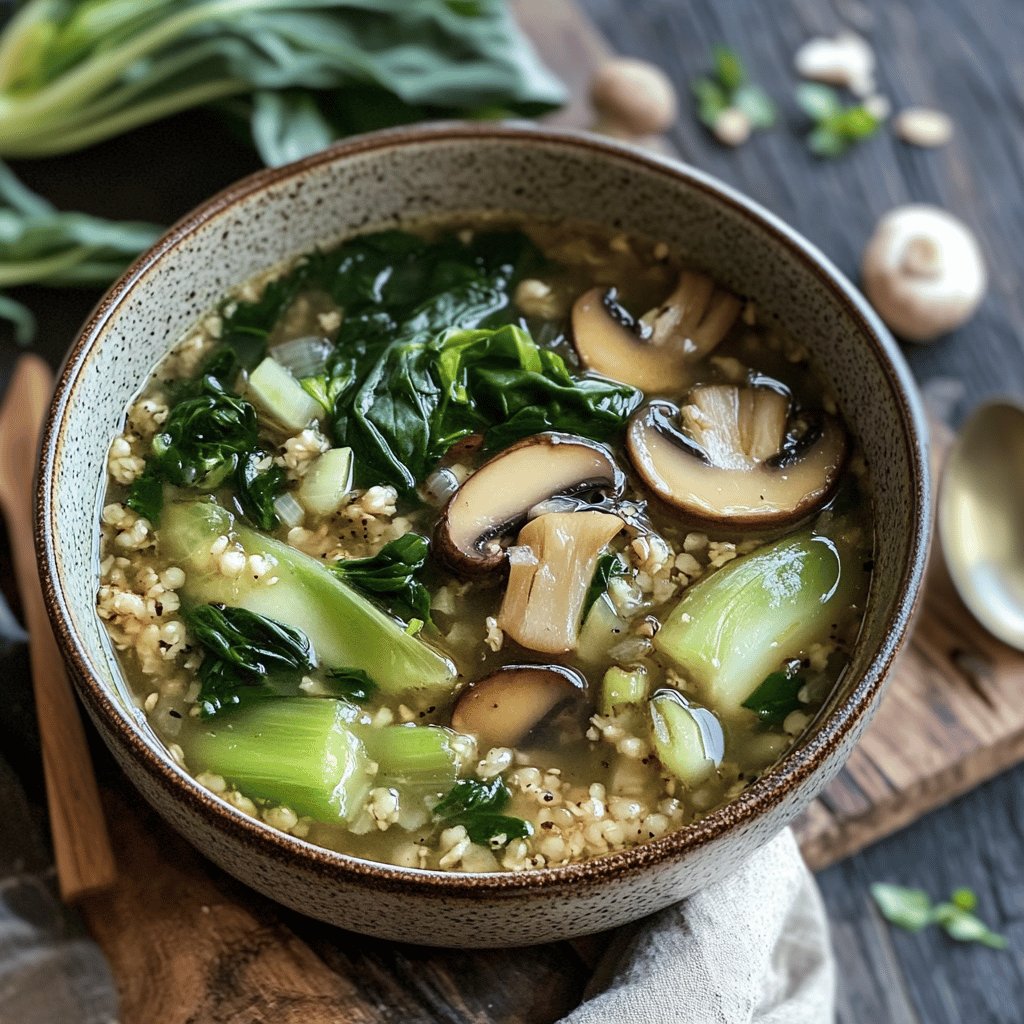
[(146, 496), (609, 565), (392, 575), (423, 395), (912, 909), (247, 655), (351, 684), (729, 88), (73, 73), (776, 697), (40, 245), (307, 596), (836, 127), (209, 435), (477, 806), (257, 488)]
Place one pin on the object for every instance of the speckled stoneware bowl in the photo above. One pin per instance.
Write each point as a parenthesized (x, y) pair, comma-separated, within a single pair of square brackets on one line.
[(400, 177)]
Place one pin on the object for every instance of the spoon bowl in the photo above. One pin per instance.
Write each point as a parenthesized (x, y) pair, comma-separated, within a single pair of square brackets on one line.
[(981, 519)]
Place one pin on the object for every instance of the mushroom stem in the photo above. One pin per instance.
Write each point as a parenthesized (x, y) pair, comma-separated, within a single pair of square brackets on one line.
[(550, 570)]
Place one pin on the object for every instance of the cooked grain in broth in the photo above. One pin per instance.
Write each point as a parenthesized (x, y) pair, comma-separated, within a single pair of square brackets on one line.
[(487, 547)]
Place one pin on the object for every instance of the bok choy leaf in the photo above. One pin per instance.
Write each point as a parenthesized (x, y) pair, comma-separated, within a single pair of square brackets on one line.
[(75, 72), (41, 245)]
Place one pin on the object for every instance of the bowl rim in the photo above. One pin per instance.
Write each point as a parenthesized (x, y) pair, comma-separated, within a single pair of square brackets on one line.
[(789, 773)]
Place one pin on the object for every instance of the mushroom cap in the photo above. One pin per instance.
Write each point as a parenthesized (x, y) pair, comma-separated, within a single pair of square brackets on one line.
[(923, 271), (492, 503), (502, 708), (656, 352), (634, 95), (758, 468)]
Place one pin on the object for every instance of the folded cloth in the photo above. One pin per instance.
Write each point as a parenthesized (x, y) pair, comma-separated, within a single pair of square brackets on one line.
[(50, 971), (752, 948)]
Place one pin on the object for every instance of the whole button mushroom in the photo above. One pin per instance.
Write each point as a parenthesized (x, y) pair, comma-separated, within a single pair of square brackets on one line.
[(633, 99), (923, 272)]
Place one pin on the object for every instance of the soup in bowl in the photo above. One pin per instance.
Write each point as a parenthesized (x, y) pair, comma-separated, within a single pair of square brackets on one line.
[(455, 548)]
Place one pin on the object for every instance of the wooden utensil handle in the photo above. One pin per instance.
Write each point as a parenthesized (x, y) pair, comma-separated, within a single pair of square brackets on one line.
[(85, 862)]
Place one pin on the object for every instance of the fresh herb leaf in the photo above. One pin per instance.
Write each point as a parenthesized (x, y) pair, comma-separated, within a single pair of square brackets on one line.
[(247, 656), (609, 565), (132, 63), (818, 102), (964, 899), (912, 909), (776, 697), (729, 69), (756, 104), (963, 926), (477, 806), (392, 575), (836, 127), (351, 684), (43, 246), (727, 88), (257, 488), (711, 99)]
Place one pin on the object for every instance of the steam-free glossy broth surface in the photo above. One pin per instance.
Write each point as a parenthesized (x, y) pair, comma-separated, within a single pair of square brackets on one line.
[(651, 587)]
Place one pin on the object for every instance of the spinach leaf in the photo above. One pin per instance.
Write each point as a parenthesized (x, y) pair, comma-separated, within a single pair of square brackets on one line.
[(776, 697), (477, 805), (469, 796), (351, 684), (257, 488), (485, 828), (247, 656), (421, 396), (392, 575), (146, 496), (608, 566), (204, 440)]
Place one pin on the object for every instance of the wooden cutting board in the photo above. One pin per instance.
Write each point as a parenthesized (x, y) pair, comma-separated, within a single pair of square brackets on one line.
[(188, 945)]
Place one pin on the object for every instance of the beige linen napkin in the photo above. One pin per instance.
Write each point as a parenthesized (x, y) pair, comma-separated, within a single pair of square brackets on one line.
[(752, 948)]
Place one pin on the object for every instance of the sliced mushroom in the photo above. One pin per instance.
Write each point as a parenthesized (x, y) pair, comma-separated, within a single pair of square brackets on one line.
[(653, 353), (501, 709), (741, 457), (492, 504), (550, 570)]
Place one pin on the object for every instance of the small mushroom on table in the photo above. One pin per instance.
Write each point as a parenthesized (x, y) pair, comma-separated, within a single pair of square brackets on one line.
[(739, 456), (494, 502), (656, 351), (502, 709), (923, 271)]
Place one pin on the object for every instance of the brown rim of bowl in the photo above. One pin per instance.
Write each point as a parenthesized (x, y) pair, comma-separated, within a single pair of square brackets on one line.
[(793, 769)]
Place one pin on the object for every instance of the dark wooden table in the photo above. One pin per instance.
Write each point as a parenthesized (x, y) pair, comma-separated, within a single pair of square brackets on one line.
[(967, 58), (964, 56)]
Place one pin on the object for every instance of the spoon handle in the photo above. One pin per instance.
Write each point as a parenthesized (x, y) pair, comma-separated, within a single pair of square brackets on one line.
[(84, 860)]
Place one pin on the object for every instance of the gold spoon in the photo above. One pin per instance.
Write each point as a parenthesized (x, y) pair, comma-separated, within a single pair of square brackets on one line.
[(981, 519), (81, 845)]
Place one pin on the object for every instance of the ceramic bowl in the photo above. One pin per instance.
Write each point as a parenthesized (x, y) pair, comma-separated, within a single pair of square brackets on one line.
[(401, 177)]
